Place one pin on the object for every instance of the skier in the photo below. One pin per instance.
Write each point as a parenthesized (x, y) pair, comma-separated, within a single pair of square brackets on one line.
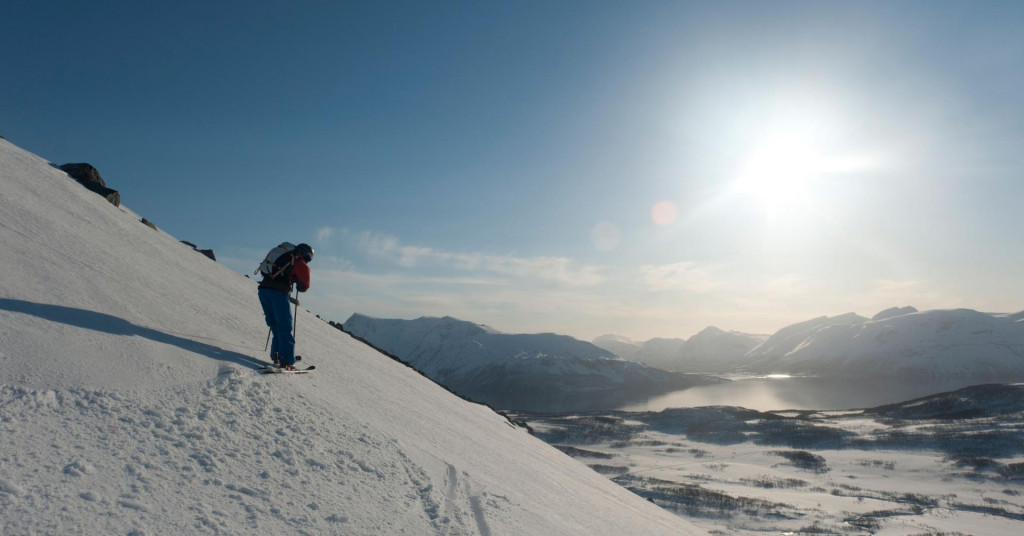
[(291, 267)]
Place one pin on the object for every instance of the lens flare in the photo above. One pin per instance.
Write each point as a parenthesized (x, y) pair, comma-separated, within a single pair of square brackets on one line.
[(664, 213), (605, 236)]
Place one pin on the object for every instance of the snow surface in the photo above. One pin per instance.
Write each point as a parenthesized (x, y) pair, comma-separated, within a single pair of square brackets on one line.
[(130, 404)]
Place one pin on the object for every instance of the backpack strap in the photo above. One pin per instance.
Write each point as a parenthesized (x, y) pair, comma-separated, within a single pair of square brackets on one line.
[(269, 267), (260, 267), (284, 268)]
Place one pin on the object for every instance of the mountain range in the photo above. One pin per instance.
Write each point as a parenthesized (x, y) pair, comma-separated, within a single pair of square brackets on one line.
[(713, 350), (548, 372), (538, 372), (900, 341)]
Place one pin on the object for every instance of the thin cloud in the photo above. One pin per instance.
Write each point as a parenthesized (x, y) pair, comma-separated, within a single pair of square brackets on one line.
[(377, 274), (885, 293), (559, 270), (324, 234), (681, 276)]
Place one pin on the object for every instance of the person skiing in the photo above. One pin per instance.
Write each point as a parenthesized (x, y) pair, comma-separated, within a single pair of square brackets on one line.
[(290, 267)]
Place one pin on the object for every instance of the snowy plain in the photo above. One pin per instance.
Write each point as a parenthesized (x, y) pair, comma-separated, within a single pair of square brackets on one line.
[(130, 404), (948, 464)]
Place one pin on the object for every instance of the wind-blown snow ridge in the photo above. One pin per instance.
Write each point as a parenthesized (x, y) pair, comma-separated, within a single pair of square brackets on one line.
[(129, 404)]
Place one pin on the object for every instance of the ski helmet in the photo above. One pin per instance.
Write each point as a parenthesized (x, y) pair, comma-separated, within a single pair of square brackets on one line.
[(306, 251)]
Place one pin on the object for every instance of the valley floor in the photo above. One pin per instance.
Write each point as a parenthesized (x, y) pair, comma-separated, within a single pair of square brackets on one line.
[(740, 472)]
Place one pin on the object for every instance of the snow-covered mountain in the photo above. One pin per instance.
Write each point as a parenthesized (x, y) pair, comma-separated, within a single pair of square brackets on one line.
[(789, 338), (712, 351), (619, 345), (537, 372), (898, 342), (130, 404), (660, 352), (716, 350)]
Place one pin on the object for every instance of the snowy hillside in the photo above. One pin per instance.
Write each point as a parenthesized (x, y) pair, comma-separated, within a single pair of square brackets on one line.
[(129, 404), (898, 342), (712, 351), (660, 352), (715, 350), (542, 372)]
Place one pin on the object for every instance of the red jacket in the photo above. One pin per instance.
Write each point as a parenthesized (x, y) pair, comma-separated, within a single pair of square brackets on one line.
[(300, 275)]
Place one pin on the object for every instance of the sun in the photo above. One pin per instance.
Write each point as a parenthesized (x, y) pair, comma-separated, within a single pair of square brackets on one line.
[(782, 175)]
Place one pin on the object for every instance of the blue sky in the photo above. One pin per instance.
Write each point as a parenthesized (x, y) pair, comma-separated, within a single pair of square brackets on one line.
[(583, 167)]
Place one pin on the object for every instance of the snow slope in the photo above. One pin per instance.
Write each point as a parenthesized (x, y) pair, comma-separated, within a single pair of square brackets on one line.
[(129, 404), (538, 372), (898, 342)]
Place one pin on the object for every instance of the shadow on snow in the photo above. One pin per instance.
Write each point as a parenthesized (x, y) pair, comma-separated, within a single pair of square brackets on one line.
[(118, 326)]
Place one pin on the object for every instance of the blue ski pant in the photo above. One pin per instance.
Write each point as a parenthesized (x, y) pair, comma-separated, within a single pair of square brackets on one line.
[(278, 313)]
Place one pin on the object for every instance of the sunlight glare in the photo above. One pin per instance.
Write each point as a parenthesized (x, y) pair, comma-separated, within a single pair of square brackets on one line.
[(781, 174)]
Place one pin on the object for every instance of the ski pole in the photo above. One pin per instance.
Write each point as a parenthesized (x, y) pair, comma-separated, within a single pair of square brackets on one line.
[(295, 328), (268, 339)]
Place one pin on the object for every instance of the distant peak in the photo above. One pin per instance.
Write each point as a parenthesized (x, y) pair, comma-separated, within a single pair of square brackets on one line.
[(894, 312), (612, 337), (848, 318)]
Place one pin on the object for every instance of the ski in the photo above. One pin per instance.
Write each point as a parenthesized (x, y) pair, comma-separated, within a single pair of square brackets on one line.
[(270, 369)]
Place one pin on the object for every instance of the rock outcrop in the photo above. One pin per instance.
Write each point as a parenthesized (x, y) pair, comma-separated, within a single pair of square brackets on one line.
[(207, 252), (89, 176)]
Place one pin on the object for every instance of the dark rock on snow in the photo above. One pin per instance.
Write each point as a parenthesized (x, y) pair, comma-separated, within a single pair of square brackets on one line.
[(89, 177), (207, 252)]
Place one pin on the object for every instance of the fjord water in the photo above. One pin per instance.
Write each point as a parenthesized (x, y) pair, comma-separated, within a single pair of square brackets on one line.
[(772, 393)]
